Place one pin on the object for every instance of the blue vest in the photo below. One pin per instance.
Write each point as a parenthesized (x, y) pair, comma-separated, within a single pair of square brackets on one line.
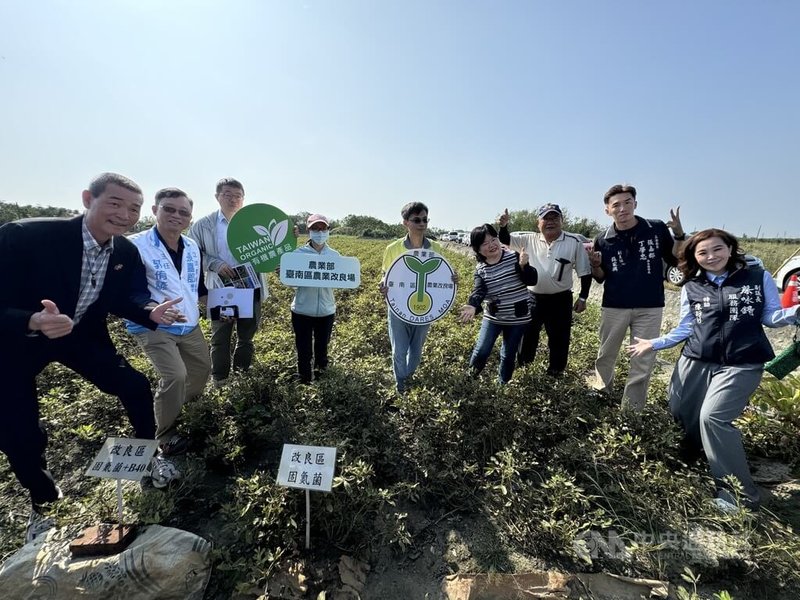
[(728, 327)]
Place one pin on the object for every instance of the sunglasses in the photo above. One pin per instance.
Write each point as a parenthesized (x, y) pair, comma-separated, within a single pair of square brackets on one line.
[(418, 220), (171, 210)]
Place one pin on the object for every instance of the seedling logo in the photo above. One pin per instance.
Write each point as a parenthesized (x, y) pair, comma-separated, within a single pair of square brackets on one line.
[(421, 287), (276, 231), (260, 234)]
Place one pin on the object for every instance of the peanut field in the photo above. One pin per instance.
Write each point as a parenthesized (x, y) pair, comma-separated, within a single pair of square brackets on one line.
[(531, 474)]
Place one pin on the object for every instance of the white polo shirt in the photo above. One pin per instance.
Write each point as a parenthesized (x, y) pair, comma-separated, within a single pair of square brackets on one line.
[(554, 262)]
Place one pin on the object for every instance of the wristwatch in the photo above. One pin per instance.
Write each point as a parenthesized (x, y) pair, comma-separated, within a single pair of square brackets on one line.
[(681, 237)]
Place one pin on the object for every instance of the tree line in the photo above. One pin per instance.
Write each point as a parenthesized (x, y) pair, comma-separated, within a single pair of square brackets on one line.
[(356, 225), (11, 211)]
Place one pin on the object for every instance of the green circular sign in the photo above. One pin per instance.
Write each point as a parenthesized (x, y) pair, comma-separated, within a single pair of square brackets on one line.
[(260, 234)]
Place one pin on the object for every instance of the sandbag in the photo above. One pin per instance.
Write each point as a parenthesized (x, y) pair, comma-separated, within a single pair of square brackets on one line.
[(161, 562)]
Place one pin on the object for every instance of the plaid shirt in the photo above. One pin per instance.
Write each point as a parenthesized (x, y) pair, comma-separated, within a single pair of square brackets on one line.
[(93, 271)]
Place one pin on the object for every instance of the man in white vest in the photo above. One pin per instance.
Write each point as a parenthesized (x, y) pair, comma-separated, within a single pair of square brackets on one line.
[(179, 351)]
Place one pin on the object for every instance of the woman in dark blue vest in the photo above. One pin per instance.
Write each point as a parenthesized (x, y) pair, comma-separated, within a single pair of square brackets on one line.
[(724, 307)]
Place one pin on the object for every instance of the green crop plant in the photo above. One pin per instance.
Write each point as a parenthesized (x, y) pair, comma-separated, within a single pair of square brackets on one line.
[(540, 463)]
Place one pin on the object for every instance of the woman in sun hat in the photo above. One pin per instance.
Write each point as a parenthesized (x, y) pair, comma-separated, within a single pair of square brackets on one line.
[(313, 308)]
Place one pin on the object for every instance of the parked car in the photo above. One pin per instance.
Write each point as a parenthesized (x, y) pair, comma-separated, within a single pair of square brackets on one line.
[(453, 236), (791, 266)]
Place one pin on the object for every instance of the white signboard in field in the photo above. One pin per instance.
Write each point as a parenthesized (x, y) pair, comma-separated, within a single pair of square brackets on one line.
[(301, 269), (123, 458), (307, 467), (421, 288)]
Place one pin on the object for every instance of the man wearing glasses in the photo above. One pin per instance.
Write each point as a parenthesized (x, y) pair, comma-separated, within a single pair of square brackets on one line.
[(408, 339), (211, 235), (178, 350)]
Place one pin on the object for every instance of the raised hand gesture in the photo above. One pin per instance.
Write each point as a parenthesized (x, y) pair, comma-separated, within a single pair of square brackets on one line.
[(674, 222), (50, 321), (502, 220)]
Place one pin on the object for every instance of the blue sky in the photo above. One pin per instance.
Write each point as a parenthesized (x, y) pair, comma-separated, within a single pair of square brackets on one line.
[(344, 106)]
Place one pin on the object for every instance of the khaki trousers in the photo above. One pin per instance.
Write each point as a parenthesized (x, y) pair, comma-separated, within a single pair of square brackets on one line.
[(643, 323), (183, 363)]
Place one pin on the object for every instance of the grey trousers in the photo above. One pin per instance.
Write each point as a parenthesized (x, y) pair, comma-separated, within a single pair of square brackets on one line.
[(705, 398)]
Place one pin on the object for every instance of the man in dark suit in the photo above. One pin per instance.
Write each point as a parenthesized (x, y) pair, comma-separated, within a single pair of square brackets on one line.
[(61, 279)]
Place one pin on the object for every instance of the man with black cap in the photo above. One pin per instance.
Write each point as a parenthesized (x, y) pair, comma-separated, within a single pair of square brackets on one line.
[(555, 254)]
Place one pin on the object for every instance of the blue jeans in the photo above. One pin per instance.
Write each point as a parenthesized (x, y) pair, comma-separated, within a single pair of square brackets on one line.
[(490, 331), (407, 341)]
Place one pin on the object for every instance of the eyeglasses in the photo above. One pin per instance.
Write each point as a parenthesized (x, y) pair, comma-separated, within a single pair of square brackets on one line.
[(418, 220), (171, 210), (488, 241), (229, 196)]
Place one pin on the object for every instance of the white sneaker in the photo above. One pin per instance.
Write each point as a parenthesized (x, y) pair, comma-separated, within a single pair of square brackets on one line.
[(38, 525), (163, 471)]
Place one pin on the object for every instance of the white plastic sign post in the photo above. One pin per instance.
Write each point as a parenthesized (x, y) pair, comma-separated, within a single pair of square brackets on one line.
[(123, 458), (308, 468)]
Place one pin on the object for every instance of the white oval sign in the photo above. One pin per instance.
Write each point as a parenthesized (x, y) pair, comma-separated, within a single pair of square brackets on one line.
[(421, 288)]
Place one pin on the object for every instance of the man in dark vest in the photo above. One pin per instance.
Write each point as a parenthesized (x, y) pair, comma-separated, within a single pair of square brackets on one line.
[(627, 260)]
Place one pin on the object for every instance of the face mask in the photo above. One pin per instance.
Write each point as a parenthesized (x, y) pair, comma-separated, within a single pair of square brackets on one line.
[(319, 237)]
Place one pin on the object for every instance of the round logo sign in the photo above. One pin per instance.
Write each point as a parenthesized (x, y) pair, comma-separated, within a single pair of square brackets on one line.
[(260, 234), (421, 288)]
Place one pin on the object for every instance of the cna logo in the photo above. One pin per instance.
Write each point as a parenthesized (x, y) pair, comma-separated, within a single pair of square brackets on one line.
[(421, 287), (595, 544)]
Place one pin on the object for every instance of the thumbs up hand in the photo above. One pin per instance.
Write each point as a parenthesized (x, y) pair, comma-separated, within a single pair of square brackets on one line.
[(50, 321)]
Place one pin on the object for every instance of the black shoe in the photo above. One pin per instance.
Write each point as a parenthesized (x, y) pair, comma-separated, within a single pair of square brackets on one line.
[(689, 452)]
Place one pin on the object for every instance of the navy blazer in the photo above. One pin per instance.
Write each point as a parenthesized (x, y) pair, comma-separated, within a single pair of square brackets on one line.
[(42, 259)]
